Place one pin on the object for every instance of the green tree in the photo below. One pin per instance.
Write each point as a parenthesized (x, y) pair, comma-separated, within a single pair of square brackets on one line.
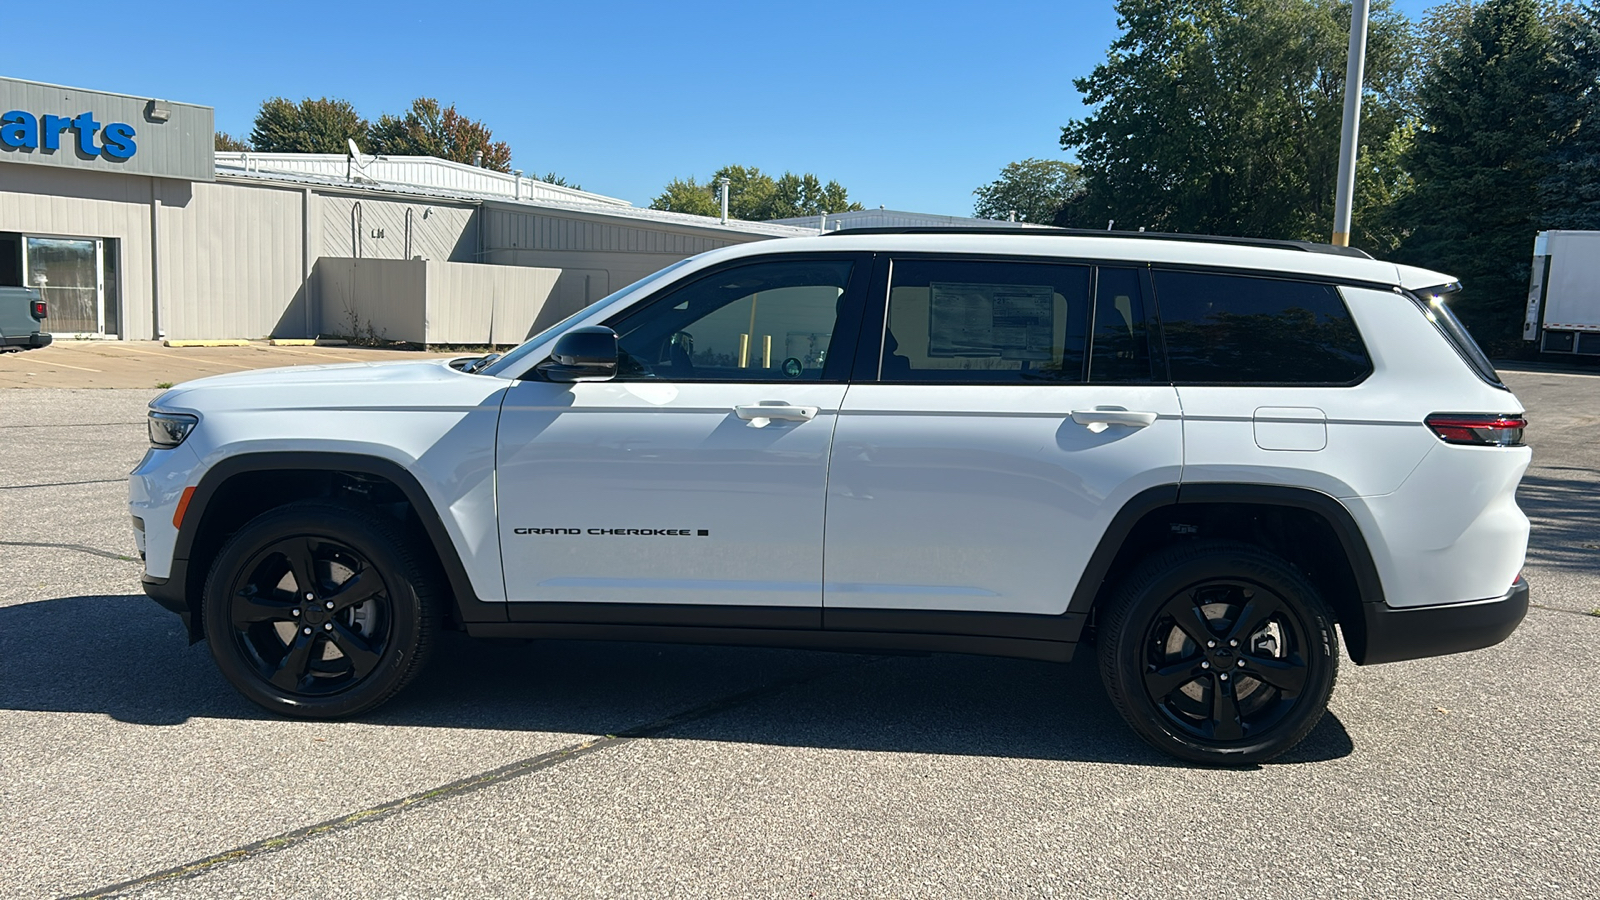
[(755, 196), (1569, 191), (1223, 116), (310, 126), (1486, 137), (428, 129), (228, 143), (553, 178), (1035, 189)]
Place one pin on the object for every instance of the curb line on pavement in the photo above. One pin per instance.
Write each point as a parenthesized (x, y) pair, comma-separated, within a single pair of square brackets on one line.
[(456, 788)]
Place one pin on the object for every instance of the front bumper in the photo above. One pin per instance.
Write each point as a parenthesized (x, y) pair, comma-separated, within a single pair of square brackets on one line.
[(1399, 634)]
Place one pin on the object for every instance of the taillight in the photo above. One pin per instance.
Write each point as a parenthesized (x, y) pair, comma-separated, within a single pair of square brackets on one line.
[(1481, 431), (40, 311)]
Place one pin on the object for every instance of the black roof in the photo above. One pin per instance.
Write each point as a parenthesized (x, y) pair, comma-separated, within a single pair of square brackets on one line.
[(1306, 246)]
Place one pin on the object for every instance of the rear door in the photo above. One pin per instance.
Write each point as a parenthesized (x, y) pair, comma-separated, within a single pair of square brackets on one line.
[(986, 441)]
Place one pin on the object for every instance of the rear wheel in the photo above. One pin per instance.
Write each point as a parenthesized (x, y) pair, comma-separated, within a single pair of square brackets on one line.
[(320, 610), (1219, 653)]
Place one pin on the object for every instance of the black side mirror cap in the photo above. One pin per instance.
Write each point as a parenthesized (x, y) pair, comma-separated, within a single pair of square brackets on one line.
[(588, 353)]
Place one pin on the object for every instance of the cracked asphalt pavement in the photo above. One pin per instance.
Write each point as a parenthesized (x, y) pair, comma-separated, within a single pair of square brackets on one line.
[(129, 768)]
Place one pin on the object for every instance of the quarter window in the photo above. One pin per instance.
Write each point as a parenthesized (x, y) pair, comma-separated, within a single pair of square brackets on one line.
[(1232, 329), (773, 321), (985, 322)]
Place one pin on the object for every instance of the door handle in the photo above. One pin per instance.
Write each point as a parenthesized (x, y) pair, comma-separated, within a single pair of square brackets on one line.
[(761, 414), (1101, 418)]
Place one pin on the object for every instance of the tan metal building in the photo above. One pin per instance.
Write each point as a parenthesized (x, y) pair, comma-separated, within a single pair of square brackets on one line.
[(119, 210)]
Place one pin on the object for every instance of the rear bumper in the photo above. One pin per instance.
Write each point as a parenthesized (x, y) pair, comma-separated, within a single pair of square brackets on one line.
[(38, 339), (1398, 634)]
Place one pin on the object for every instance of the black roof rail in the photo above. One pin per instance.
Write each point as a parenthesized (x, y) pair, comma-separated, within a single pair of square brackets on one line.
[(1043, 231)]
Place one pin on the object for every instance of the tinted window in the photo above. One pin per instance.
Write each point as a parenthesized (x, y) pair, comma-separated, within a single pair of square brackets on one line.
[(985, 322), (771, 321), (1120, 351), (1229, 329)]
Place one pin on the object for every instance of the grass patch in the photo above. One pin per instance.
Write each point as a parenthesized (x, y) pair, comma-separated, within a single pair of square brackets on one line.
[(163, 384)]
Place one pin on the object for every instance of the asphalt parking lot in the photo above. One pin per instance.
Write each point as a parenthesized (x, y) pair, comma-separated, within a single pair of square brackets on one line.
[(128, 767)]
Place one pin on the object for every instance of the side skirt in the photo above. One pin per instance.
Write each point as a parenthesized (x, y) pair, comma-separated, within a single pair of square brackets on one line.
[(807, 639)]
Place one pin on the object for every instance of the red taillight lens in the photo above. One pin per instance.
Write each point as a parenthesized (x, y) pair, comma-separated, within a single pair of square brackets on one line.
[(1481, 431), (40, 311)]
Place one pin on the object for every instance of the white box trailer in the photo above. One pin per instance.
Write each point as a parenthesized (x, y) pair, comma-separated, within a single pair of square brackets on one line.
[(1564, 293)]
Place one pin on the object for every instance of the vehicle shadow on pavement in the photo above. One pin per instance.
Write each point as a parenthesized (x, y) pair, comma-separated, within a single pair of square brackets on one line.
[(121, 657), (1565, 511)]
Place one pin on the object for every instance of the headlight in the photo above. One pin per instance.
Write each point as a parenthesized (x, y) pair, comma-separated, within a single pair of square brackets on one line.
[(167, 430)]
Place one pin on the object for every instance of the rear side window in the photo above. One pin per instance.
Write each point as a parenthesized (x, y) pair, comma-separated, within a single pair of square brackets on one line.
[(982, 322), (1120, 351), (1233, 329)]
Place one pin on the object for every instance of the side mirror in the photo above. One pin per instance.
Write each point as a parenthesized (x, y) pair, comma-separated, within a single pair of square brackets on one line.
[(583, 354)]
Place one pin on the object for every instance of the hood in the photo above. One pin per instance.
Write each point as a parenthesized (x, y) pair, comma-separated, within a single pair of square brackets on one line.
[(325, 386)]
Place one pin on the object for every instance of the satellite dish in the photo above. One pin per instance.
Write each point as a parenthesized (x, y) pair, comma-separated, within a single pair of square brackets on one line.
[(354, 161)]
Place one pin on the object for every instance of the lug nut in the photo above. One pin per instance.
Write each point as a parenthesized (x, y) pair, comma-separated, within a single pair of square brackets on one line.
[(1241, 663), (308, 629), (327, 626), (1205, 665), (310, 596), (296, 612), (329, 604), (1211, 643), (1233, 643), (1223, 676)]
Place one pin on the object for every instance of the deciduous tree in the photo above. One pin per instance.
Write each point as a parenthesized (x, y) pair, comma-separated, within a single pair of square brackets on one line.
[(429, 129), (756, 196), (310, 126), (1034, 189)]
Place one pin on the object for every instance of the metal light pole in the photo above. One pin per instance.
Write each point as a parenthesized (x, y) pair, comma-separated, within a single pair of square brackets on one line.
[(1344, 197)]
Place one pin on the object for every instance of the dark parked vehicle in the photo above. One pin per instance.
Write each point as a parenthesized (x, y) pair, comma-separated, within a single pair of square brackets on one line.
[(21, 312)]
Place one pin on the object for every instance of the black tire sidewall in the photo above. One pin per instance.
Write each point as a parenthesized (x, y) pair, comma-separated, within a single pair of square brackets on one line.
[(1122, 649), (369, 535)]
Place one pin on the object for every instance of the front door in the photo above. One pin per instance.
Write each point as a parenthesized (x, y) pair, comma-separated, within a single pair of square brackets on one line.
[(697, 475), (1013, 412), (76, 277)]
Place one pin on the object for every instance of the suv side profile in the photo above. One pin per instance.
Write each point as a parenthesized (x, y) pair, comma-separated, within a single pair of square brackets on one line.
[(1213, 457)]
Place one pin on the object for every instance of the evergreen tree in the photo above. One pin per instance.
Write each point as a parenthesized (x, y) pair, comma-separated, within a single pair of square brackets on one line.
[(429, 129), (1570, 189), (755, 196), (1486, 106)]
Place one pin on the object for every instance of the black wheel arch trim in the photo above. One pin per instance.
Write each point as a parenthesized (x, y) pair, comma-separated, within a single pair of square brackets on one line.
[(467, 602), (1339, 519)]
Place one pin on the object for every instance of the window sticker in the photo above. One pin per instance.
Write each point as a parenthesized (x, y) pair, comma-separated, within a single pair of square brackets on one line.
[(1011, 321)]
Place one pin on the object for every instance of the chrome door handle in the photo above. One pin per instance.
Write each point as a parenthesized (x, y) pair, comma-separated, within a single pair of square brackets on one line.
[(761, 414), (1101, 418)]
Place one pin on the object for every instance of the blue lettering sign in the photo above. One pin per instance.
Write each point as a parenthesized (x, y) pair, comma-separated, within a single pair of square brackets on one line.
[(23, 131)]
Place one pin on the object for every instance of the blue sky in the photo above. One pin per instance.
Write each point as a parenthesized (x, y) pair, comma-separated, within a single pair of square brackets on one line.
[(909, 105)]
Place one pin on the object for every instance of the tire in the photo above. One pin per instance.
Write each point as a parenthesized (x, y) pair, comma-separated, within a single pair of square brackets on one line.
[(1218, 653), (367, 630)]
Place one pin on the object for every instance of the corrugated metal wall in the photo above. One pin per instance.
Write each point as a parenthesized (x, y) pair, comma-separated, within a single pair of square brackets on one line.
[(438, 231), (62, 202), (513, 229), (475, 304), (232, 260), (373, 298)]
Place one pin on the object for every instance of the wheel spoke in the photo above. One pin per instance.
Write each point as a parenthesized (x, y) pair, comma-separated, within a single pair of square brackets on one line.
[(357, 589), (302, 562), (248, 608), (1287, 675), (296, 663), (1225, 723), (1164, 680), (1186, 614), (362, 655), (1257, 610)]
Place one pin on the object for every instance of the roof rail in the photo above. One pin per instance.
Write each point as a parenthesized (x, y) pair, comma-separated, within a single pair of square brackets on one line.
[(1042, 231)]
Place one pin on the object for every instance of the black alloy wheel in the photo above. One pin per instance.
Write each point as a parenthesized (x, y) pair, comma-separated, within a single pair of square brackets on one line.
[(315, 609), (1219, 653)]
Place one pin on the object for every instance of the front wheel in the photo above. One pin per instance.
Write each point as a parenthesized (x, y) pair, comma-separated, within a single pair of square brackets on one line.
[(1219, 653), (320, 610)]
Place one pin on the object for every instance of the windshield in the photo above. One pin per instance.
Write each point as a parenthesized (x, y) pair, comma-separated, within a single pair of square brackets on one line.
[(512, 361)]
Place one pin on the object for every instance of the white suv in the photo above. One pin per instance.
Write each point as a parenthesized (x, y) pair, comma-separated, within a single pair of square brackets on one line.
[(1204, 453)]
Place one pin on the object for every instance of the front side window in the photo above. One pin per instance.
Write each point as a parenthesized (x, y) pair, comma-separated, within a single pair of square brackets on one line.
[(768, 321), (982, 322), (1235, 329)]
